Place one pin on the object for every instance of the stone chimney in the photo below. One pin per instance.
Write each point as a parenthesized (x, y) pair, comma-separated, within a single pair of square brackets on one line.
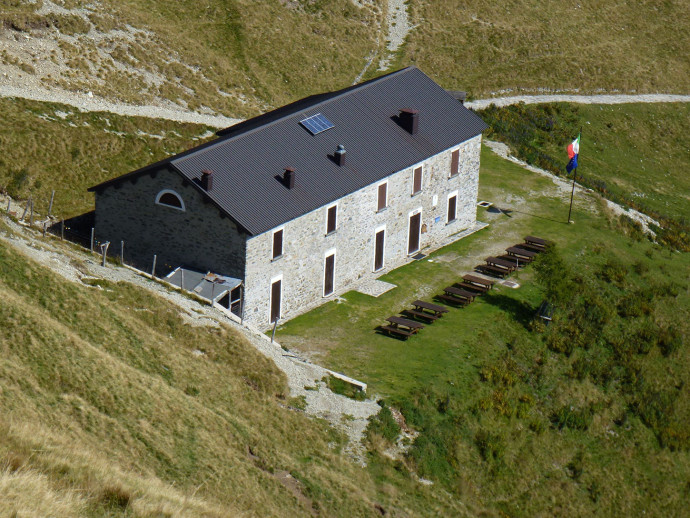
[(409, 120), (289, 177), (340, 155), (207, 180)]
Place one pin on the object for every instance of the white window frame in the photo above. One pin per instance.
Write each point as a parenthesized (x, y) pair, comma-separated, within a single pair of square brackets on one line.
[(377, 195), (421, 179), (383, 262), (170, 191), (450, 195), (273, 238), (337, 209), (326, 255), (409, 216), (278, 277)]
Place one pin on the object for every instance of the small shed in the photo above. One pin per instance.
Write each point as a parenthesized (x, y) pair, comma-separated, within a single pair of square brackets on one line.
[(219, 289)]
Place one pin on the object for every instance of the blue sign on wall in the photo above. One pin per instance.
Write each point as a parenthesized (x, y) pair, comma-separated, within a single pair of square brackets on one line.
[(437, 219)]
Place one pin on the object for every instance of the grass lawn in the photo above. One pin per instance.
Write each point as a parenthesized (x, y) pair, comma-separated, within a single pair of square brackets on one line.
[(507, 421), (634, 152)]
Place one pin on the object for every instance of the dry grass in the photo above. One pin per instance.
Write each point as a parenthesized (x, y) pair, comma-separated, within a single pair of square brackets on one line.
[(485, 47), (106, 410)]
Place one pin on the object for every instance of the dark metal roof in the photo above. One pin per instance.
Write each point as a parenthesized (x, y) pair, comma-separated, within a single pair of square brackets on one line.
[(248, 158)]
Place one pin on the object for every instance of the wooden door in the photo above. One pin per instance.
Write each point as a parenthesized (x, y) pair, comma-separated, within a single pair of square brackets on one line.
[(452, 208), (276, 295), (378, 255), (329, 273), (415, 227)]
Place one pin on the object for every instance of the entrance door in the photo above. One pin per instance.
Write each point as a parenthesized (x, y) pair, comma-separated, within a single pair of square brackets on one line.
[(276, 294), (415, 227), (378, 255), (328, 277)]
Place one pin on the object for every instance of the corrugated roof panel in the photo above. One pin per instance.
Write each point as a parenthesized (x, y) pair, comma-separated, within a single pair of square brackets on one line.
[(248, 164)]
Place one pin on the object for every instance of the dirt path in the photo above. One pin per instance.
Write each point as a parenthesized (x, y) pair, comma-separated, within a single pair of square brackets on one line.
[(90, 103), (581, 99)]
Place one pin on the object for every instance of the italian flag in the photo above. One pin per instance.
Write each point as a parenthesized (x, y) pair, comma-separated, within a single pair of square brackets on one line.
[(573, 151)]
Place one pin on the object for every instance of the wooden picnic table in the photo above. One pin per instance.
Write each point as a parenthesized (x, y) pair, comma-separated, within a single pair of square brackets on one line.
[(496, 261), (530, 248), (521, 252), (459, 292), (494, 271), (515, 260), (480, 290), (532, 240), (435, 308), (478, 280), (402, 326), (404, 322)]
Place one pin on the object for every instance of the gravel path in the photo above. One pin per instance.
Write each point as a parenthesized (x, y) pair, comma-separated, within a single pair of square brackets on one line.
[(90, 103), (346, 414), (581, 99)]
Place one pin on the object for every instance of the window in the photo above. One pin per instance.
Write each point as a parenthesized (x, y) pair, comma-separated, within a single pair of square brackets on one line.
[(382, 196), (332, 219), (277, 244), (276, 296), (454, 163), (329, 273), (417, 181), (379, 248), (452, 206), (170, 199)]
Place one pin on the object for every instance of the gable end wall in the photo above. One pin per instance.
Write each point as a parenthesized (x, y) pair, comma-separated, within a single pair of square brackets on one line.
[(197, 238)]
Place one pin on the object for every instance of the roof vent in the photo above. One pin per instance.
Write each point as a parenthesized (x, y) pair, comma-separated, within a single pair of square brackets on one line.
[(289, 177), (340, 155), (409, 120), (207, 180)]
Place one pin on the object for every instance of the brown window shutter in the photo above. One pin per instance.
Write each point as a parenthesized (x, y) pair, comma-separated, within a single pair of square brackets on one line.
[(329, 274), (382, 196), (454, 162), (277, 244), (332, 219), (276, 295), (417, 183)]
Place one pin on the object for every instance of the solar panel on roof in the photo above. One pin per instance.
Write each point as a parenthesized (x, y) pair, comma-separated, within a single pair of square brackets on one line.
[(316, 124)]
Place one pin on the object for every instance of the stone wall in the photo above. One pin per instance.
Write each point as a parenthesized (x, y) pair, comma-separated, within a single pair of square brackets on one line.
[(306, 244), (198, 237)]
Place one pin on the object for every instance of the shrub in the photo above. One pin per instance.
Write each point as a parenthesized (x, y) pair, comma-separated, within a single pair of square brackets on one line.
[(614, 271), (344, 388), (384, 424), (572, 417), (491, 446), (669, 340)]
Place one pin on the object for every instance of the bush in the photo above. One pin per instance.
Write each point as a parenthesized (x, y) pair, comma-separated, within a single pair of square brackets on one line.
[(572, 417), (669, 340), (384, 424), (491, 446)]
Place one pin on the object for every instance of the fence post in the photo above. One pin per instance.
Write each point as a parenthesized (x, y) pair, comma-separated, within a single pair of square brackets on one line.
[(153, 270), (9, 204), (45, 227), (92, 236), (31, 220), (275, 324), (182, 278), (122, 252), (62, 229), (26, 208), (104, 247), (50, 206)]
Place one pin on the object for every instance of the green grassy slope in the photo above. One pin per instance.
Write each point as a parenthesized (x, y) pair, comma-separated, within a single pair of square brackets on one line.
[(636, 152), (45, 147), (105, 410), (584, 418)]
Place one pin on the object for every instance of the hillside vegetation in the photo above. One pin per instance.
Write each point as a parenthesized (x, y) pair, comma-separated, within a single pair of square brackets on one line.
[(634, 154), (112, 404), (239, 58), (587, 416), (47, 147)]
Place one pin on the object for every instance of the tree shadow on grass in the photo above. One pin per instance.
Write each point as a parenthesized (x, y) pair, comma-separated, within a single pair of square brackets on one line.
[(521, 311)]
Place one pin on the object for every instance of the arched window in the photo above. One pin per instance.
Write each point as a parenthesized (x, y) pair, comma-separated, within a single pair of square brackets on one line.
[(170, 199)]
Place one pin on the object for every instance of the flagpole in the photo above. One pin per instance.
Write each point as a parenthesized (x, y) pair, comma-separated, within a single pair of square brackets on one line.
[(572, 193)]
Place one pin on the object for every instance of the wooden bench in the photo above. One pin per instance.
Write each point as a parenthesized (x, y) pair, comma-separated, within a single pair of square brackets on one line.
[(517, 261), (464, 285), (492, 270), (480, 281), (528, 255), (537, 241), (453, 300), (396, 331), (502, 263), (429, 317), (459, 292)]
